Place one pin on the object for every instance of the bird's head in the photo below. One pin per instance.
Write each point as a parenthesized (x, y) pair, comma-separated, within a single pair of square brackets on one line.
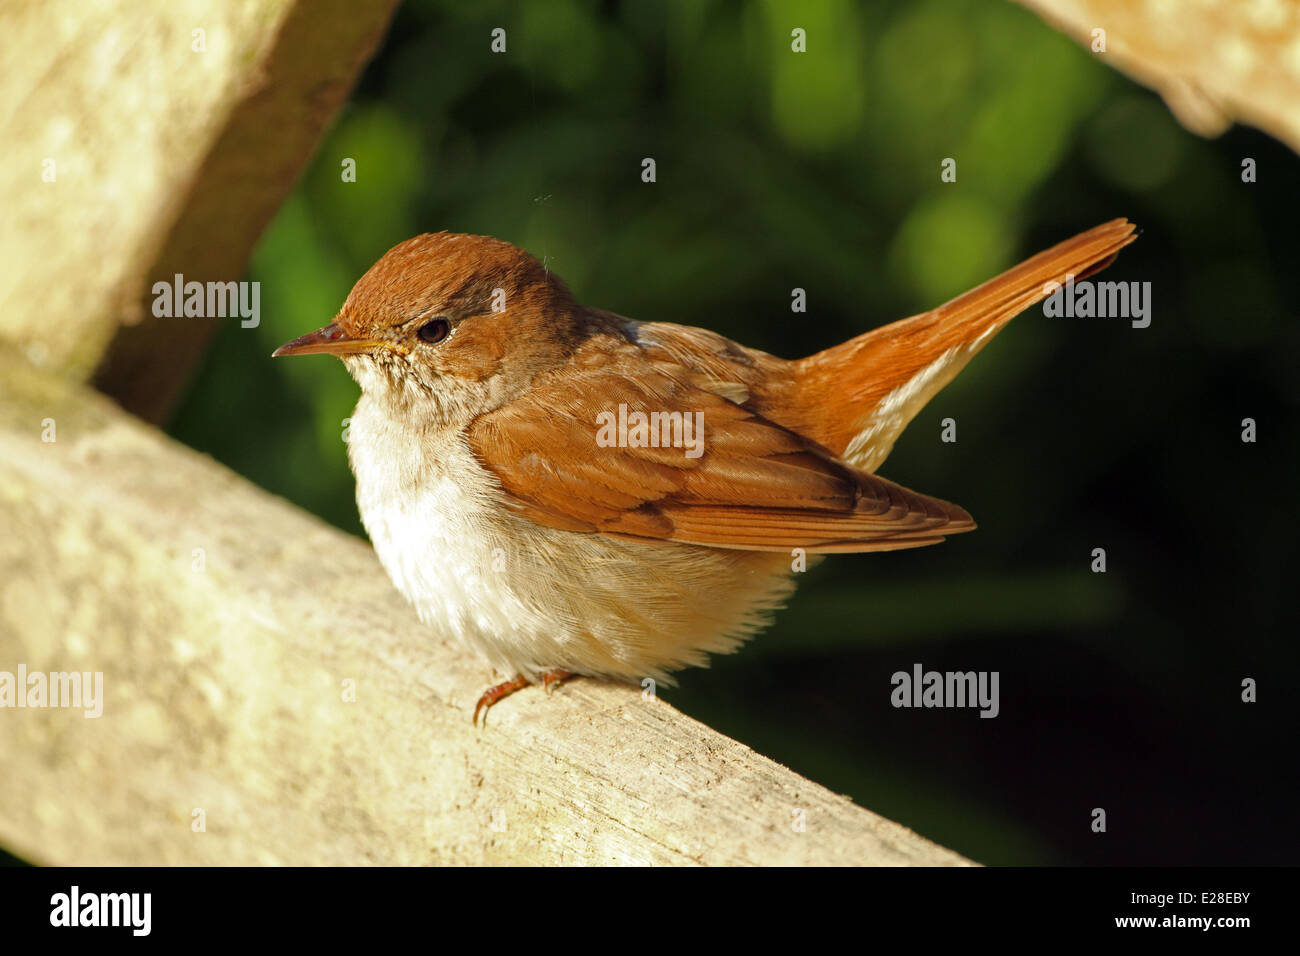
[(462, 322)]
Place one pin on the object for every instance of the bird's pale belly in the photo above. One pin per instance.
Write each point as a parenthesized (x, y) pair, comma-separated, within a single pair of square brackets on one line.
[(530, 599)]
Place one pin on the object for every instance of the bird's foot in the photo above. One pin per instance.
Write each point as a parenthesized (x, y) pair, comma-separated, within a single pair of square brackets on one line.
[(518, 682)]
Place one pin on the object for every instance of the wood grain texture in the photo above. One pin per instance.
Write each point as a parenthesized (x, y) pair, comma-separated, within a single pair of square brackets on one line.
[(166, 159), (223, 692), (1215, 62)]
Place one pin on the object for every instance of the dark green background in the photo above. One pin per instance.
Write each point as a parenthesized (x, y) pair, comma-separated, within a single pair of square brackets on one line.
[(821, 170)]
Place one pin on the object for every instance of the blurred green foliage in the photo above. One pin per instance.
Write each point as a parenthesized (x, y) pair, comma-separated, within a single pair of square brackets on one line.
[(821, 170)]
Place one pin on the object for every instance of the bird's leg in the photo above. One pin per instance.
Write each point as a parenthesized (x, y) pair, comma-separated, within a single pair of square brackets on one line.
[(555, 676), (494, 694), (518, 682)]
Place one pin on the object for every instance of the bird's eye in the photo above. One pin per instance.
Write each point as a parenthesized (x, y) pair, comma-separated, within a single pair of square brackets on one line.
[(435, 331)]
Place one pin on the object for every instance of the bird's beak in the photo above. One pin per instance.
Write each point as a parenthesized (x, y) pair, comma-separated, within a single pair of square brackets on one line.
[(330, 340)]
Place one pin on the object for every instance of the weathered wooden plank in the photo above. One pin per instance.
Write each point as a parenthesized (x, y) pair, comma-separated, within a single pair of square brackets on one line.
[(149, 137), (1215, 62)]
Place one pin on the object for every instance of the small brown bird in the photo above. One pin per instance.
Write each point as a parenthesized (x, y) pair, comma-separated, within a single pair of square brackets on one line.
[(575, 493)]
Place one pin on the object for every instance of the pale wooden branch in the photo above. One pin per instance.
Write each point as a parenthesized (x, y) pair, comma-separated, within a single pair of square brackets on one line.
[(145, 138), (226, 623), (1213, 61)]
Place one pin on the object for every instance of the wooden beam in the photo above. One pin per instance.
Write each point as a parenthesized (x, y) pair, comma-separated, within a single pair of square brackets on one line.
[(1214, 63), (146, 138), (232, 632)]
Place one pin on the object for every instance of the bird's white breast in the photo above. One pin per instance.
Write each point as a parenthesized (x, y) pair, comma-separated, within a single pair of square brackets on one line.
[(530, 598)]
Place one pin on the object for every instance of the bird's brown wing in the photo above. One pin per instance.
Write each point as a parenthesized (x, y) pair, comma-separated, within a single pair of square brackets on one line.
[(755, 485)]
